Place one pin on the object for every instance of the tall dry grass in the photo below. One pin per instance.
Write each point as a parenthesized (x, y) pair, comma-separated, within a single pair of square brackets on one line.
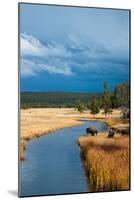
[(106, 161)]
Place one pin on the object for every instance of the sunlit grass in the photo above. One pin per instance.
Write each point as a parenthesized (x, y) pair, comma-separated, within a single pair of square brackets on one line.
[(106, 161)]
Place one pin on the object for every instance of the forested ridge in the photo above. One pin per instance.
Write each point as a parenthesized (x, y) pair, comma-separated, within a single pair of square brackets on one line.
[(53, 99), (119, 97)]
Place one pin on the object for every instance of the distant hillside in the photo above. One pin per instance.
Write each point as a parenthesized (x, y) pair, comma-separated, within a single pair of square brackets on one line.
[(52, 99)]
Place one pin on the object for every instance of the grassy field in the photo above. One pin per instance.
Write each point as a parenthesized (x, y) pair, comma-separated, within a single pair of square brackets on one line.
[(39, 121), (106, 161)]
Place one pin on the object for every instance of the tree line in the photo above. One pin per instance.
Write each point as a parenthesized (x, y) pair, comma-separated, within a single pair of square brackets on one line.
[(118, 98), (53, 99), (107, 101)]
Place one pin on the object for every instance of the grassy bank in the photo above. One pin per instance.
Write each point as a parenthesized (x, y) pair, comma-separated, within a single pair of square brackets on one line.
[(106, 161), (40, 121), (36, 122)]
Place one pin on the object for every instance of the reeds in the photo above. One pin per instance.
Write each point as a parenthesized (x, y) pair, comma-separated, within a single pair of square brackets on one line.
[(106, 162)]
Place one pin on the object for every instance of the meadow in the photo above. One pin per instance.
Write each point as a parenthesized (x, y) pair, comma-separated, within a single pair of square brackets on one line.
[(35, 122), (40, 121), (106, 161)]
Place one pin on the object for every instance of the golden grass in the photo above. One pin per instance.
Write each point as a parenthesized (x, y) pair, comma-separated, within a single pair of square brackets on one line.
[(118, 124), (39, 121), (107, 161)]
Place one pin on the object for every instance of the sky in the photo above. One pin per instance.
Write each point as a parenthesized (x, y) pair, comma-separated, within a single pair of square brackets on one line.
[(72, 49)]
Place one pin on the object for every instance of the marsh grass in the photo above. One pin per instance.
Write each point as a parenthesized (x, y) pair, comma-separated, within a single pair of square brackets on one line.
[(106, 161), (118, 124)]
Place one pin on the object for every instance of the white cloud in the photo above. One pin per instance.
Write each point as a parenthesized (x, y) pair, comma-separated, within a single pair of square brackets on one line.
[(27, 68), (50, 57), (32, 46), (31, 68), (74, 41), (64, 70), (77, 54)]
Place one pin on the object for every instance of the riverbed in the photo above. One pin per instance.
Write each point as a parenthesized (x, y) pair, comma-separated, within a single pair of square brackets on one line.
[(53, 164)]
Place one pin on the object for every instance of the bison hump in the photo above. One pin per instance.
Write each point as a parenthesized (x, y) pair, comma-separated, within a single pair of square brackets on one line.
[(93, 128)]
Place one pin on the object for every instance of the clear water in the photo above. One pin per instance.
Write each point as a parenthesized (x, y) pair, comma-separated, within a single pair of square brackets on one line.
[(53, 164)]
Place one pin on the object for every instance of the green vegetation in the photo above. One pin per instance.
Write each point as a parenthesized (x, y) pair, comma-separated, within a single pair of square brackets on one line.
[(80, 106), (94, 106), (54, 99), (120, 96), (107, 100)]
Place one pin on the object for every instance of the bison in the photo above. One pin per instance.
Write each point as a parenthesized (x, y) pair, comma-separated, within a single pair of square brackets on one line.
[(125, 131), (92, 130), (111, 133)]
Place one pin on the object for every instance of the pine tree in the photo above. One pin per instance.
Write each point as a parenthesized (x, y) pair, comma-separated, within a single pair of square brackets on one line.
[(80, 106), (106, 101), (94, 106), (121, 95)]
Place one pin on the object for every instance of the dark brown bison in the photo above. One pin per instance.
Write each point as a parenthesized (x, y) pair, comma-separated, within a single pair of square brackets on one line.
[(92, 130), (125, 131), (111, 133)]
